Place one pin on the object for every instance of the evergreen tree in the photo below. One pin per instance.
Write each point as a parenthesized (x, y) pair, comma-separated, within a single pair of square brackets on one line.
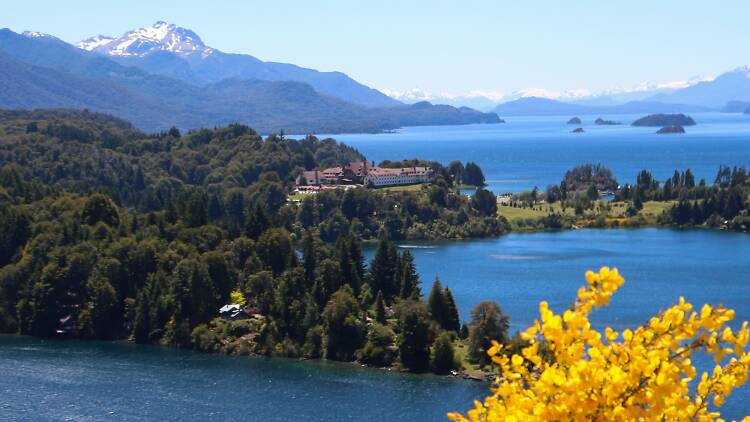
[(196, 214), (221, 279), (260, 291), (215, 208), (15, 229), (464, 333), (413, 342), (309, 256), (452, 320), (456, 171), (442, 356), (383, 269), (357, 257), (379, 308), (348, 262), (307, 215), (276, 250), (329, 279), (473, 175), (436, 303), (97, 317), (235, 208), (409, 277), (257, 222), (344, 332), (484, 202)]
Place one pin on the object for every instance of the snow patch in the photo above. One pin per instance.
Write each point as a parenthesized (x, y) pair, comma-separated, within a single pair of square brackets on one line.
[(161, 36), (92, 43), (35, 34)]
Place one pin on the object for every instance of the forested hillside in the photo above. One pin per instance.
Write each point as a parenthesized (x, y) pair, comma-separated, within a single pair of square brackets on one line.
[(146, 236)]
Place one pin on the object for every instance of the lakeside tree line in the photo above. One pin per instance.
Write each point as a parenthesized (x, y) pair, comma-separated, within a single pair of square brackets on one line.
[(109, 233), (722, 203)]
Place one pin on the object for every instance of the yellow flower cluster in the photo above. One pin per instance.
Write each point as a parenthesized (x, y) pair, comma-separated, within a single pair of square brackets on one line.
[(642, 374)]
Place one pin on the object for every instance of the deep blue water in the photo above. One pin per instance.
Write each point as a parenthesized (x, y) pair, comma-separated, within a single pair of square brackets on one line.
[(92, 381), (56, 380), (536, 151), (521, 269)]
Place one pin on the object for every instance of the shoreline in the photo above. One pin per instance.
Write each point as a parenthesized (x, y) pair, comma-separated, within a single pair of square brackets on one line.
[(476, 375)]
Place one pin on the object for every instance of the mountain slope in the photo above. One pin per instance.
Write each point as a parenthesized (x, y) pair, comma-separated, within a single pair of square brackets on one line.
[(729, 86), (24, 85), (43, 71), (177, 52)]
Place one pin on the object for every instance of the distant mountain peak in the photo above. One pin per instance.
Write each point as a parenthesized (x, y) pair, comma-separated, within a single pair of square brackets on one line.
[(35, 34), (161, 36), (90, 44)]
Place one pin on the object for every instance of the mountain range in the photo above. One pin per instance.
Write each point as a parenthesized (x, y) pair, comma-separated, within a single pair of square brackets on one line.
[(699, 92), (129, 77), (535, 106), (168, 50)]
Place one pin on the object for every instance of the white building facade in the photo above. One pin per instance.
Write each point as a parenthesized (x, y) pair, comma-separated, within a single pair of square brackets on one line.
[(380, 176)]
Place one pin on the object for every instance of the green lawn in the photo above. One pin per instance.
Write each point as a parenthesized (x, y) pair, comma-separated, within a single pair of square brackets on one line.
[(651, 210), (461, 350), (402, 188), (512, 213)]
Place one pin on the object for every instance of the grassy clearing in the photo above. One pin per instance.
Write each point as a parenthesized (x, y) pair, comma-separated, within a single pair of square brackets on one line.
[(461, 350), (402, 188), (651, 210), (513, 213)]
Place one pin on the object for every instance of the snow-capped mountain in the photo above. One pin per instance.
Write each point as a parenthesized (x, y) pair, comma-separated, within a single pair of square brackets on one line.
[(479, 100), (90, 44), (169, 50), (715, 92), (486, 100), (35, 34), (161, 36)]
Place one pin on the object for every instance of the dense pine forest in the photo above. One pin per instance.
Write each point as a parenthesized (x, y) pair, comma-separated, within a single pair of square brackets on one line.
[(110, 233)]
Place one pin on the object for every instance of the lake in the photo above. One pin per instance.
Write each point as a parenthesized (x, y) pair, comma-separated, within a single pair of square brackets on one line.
[(73, 380), (537, 151)]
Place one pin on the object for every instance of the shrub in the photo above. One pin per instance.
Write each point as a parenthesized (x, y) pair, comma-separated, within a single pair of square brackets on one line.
[(584, 374)]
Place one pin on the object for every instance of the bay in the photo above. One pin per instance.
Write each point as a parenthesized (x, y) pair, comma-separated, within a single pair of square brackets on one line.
[(537, 151), (76, 380)]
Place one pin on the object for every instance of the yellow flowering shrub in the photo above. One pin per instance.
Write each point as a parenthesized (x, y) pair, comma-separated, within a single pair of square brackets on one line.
[(642, 374), (237, 297)]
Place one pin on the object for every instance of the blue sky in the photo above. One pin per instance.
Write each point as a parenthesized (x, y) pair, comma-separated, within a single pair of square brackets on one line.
[(440, 46)]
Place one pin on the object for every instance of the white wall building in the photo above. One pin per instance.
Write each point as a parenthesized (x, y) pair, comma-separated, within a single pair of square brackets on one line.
[(379, 176)]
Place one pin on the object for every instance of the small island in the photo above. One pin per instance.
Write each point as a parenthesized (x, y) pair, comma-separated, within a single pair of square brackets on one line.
[(574, 121), (603, 122), (668, 130), (578, 130), (665, 120)]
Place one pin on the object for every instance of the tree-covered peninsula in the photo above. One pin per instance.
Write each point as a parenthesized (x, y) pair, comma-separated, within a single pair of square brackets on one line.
[(110, 233), (677, 201)]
